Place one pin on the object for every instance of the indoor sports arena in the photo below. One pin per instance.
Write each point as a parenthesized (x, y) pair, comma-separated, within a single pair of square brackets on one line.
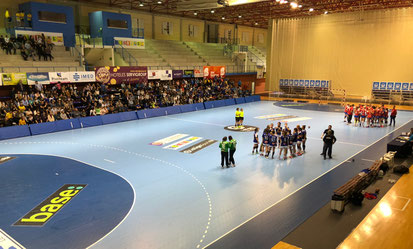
[(186, 124)]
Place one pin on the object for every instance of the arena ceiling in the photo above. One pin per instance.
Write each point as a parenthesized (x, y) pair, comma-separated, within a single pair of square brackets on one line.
[(254, 13)]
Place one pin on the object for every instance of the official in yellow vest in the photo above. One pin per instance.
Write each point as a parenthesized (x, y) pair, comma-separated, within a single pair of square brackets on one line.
[(241, 117), (237, 117)]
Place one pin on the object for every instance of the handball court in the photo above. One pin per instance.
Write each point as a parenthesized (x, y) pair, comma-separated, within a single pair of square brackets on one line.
[(138, 190)]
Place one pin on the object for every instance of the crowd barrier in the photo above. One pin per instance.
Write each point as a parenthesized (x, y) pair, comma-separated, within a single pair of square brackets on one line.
[(70, 124)]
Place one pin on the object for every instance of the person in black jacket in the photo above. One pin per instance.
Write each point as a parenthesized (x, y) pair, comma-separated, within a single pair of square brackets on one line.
[(329, 139)]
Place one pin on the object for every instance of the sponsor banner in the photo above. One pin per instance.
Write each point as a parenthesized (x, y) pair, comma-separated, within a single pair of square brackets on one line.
[(4, 159), (199, 146), (270, 116), (42, 78), (198, 73), (62, 77), (296, 119), (43, 212), (188, 74), (244, 128), (169, 139), (7, 242), (55, 38), (166, 74), (214, 71), (132, 43), (11, 79), (177, 74), (75, 77), (117, 75), (182, 143), (159, 74)]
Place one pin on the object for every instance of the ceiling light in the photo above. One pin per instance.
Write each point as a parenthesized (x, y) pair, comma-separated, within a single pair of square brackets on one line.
[(277, 1), (239, 16), (223, 18), (159, 2), (300, 6), (325, 12), (311, 10), (212, 11), (141, 4), (195, 13), (293, 5), (256, 23)]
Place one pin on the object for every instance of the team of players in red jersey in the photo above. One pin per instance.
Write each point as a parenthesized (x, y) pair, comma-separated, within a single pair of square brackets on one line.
[(369, 116)]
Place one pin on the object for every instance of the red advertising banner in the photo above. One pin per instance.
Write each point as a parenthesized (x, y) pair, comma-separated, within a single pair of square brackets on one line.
[(117, 75), (214, 71)]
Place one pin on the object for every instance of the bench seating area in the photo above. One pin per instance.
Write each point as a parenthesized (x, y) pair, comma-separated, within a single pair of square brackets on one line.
[(356, 184)]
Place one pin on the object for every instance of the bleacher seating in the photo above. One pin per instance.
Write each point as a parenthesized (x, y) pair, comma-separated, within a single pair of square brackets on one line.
[(63, 61), (212, 54)]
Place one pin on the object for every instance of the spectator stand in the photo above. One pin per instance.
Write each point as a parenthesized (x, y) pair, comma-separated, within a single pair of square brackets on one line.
[(397, 93), (307, 89), (84, 122)]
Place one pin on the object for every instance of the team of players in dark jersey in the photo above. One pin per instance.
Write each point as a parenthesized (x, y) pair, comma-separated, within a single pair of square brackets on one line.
[(282, 138)]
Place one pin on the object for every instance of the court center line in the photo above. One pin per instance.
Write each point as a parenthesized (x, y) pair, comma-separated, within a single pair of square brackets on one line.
[(107, 160), (368, 160), (230, 231)]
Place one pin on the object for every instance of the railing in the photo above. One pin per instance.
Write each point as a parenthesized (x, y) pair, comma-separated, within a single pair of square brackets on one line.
[(126, 56), (257, 59), (224, 40), (241, 69), (42, 69), (85, 41), (82, 60)]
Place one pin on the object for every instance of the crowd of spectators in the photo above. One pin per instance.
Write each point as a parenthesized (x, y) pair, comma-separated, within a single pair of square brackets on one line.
[(47, 103), (29, 46)]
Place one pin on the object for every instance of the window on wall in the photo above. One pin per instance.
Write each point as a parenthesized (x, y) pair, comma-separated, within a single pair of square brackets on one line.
[(167, 28), (245, 37), (192, 30), (47, 16), (260, 38), (117, 24)]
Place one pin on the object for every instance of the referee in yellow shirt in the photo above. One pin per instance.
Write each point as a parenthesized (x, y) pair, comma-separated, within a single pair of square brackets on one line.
[(241, 117), (237, 117)]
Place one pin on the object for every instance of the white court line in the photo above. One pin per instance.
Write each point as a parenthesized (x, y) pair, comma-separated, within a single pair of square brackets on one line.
[(134, 193), (340, 142), (301, 187), (107, 160), (368, 160), (193, 121), (407, 203)]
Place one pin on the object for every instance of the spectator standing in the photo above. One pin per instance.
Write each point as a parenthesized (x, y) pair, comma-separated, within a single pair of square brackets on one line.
[(329, 139), (224, 152), (7, 16), (29, 19), (232, 148), (393, 115)]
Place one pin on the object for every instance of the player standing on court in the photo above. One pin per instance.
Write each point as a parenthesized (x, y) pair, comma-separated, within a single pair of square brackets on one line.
[(224, 152), (241, 117), (256, 141), (232, 144)]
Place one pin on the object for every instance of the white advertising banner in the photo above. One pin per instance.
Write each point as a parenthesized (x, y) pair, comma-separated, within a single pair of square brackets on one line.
[(166, 74), (55, 38), (154, 74), (132, 43), (61, 77), (75, 77)]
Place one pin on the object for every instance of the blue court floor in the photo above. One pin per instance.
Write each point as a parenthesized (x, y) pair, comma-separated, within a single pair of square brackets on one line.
[(165, 199)]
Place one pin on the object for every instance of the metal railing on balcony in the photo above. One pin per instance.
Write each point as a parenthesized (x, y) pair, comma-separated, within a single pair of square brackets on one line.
[(126, 55)]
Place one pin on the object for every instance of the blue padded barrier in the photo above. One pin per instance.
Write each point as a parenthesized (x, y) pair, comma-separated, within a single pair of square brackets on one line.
[(172, 110), (68, 124), (229, 102), (127, 116), (256, 97), (111, 118), (90, 121), (42, 128), (249, 99), (209, 104), (240, 100), (219, 103), (14, 132), (187, 108), (199, 106), (150, 113)]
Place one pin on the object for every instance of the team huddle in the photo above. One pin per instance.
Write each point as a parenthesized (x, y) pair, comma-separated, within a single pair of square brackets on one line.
[(283, 138), (369, 116)]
